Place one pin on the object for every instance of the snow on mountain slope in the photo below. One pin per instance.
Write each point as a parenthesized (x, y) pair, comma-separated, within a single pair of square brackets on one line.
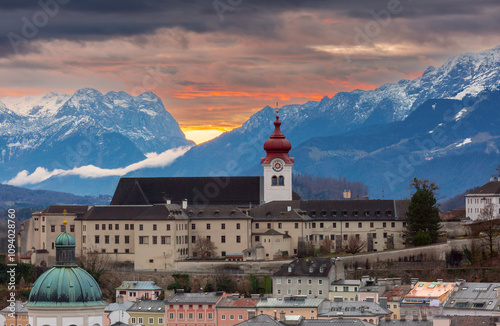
[(36, 105)]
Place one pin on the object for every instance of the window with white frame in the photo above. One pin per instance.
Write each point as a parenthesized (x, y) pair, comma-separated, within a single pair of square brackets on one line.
[(278, 281), (151, 320), (320, 282), (288, 281), (160, 320), (223, 317), (140, 320), (132, 320)]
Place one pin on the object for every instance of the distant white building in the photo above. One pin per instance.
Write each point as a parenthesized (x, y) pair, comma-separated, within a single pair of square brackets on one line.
[(482, 196)]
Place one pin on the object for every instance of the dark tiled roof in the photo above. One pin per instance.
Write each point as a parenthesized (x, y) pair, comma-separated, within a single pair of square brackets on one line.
[(474, 295), (237, 191), (270, 232), (157, 306), (70, 209), (470, 320), (397, 322), (299, 267), (261, 320), (279, 211), (355, 209), (119, 323), (215, 212), (492, 187), (210, 297), (140, 212)]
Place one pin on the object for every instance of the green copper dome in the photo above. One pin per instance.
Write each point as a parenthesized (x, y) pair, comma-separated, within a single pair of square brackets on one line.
[(65, 286), (65, 240)]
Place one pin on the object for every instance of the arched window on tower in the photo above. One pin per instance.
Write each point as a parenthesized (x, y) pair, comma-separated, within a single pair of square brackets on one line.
[(281, 180), (274, 180)]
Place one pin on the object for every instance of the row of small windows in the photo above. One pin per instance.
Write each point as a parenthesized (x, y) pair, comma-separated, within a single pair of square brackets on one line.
[(191, 315), (178, 227), (345, 213), (150, 320), (278, 181), (299, 292), (299, 281), (216, 213), (222, 226), (313, 225), (53, 228), (222, 239)]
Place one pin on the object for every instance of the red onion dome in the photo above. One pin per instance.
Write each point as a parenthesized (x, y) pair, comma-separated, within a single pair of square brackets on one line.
[(277, 145)]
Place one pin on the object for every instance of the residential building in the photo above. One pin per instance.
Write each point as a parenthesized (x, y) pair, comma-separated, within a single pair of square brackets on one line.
[(477, 199), (15, 314), (192, 308), (474, 299), (310, 277), (147, 312), (425, 300), (135, 290), (370, 289), (394, 296), (301, 305), (345, 289), (367, 311), (234, 309)]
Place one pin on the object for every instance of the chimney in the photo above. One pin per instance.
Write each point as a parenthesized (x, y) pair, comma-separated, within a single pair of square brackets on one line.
[(382, 301), (275, 312), (339, 269), (119, 299), (184, 203), (493, 178), (340, 315), (282, 315), (169, 201)]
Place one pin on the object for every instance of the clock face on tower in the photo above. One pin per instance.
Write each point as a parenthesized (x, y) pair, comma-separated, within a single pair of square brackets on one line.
[(277, 165)]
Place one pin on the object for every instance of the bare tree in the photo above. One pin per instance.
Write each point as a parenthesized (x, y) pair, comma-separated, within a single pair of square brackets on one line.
[(489, 227), (96, 264), (204, 248), (354, 244), (325, 246)]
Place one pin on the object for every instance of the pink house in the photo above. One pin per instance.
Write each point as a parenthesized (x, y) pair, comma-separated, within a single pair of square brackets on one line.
[(192, 309), (232, 310), (133, 290)]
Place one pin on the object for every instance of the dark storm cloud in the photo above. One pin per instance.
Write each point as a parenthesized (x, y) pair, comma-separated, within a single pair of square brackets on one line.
[(97, 20)]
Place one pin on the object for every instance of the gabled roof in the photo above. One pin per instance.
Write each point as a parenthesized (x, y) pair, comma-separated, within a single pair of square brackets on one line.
[(231, 302), (115, 306), (297, 302), (210, 297), (151, 306), (469, 320), (19, 308), (266, 320), (70, 209), (272, 232), (491, 188), (139, 212), (316, 267), (222, 212), (119, 323), (138, 285), (352, 309), (358, 210), (474, 295), (237, 191)]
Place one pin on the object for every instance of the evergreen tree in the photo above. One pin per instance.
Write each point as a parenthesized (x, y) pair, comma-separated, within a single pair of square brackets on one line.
[(422, 218)]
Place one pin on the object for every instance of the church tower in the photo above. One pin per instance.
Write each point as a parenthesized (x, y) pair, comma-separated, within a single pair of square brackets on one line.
[(277, 166)]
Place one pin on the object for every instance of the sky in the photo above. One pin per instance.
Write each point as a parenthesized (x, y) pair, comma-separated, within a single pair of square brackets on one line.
[(215, 63)]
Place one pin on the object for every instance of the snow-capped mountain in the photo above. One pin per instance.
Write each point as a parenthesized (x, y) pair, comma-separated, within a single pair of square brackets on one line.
[(56, 130), (459, 76)]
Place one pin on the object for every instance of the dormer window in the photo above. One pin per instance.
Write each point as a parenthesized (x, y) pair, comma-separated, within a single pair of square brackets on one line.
[(377, 213), (323, 213), (310, 269), (367, 213), (344, 213), (313, 213), (389, 213), (289, 269), (334, 213), (355, 213)]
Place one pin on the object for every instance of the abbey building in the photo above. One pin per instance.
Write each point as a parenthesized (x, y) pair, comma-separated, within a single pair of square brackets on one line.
[(156, 222)]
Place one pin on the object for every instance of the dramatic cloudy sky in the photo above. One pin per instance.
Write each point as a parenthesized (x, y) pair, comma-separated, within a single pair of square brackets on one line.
[(214, 63)]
